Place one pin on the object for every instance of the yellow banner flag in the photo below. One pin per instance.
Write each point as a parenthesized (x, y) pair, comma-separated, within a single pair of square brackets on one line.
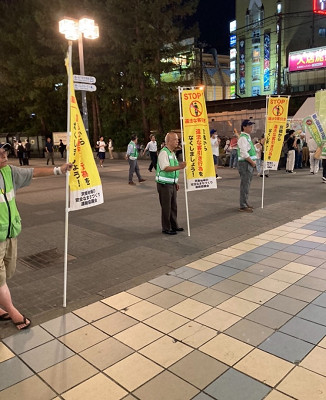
[(277, 113), (84, 180), (200, 170)]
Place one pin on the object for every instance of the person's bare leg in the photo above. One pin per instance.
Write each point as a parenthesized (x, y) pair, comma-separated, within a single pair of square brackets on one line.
[(6, 303)]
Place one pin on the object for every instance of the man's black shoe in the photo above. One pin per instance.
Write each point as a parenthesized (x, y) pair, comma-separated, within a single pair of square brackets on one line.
[(170, 232), (178, 229)]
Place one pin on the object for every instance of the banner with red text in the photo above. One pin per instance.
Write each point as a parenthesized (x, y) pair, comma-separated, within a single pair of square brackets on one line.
[(200, 170), (277, 113), (84, 180)]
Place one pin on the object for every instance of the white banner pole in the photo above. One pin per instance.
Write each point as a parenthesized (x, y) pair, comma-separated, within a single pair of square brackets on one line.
[(183, 158), (65, 268), (263, 186)]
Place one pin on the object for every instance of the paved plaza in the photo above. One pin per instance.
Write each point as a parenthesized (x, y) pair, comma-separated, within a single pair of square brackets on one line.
[(236, 311)]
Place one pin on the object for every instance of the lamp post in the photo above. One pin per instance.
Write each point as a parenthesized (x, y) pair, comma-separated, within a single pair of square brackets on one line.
[(279, 45), (75, 30)]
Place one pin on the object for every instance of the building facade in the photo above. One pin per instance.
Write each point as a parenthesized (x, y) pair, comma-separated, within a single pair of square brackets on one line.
[(267, 41)]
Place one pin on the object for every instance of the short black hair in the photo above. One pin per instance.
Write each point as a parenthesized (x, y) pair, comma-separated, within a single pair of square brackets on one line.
[(133, 137)]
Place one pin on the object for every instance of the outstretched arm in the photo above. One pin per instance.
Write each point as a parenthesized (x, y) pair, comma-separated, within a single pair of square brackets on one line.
[(48, 171)]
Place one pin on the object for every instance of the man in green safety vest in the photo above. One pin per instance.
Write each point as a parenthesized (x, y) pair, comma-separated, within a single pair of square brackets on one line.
[(131, 156), (167, 176), (11, 179), (246, 163)]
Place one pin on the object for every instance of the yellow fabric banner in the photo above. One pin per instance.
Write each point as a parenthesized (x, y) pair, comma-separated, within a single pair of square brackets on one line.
[(84, 180), (277, 113), (200, 170)]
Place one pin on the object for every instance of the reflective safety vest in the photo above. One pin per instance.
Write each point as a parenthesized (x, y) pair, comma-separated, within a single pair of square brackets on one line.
[(10, 222), (134, 154), (168, 177), (251, 152)]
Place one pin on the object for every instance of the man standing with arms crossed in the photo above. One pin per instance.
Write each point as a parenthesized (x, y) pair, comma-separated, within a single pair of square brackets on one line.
[(167, 176), (11, 179), (246, 163)]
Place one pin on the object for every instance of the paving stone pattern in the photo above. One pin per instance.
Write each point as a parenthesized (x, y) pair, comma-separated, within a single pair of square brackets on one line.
[(241, 328)]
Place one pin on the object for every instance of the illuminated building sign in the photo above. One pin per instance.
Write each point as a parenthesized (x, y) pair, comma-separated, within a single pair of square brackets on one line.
[(242, 66), (307, 59), (232, 66), (267, 51), (320, 7), (233, 26), (232, 91), (233, 54), (233, 40)]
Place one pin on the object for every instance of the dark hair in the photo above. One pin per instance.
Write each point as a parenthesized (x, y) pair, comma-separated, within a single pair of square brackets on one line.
[(133, 137)]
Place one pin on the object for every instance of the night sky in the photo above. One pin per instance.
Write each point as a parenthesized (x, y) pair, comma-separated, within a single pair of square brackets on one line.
[(214, 17)]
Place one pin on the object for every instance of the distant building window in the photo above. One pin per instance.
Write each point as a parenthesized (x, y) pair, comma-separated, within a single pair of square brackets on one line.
[(256, 55), (256, 73), (322, 32)]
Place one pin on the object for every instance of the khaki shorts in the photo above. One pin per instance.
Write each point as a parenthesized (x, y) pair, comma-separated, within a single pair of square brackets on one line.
[(8, 258)]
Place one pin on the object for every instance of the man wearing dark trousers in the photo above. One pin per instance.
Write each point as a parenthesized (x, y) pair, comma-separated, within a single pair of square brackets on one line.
[(246, 163), (167, 176)]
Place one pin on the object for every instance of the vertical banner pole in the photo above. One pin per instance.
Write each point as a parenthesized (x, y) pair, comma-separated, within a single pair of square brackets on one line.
[(65, 268), (263, 186), (183, 158)]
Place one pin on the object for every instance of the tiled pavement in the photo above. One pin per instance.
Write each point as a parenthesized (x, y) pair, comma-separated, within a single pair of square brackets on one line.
[(246, 323)]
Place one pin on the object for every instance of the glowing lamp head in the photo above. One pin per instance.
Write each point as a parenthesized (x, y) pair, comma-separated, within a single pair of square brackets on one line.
[(69, 27), (92, 34)]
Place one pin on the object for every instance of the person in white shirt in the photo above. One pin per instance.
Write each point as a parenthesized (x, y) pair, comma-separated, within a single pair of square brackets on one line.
[(110, 147), (101, 150), (152, 148), (246, 163), (314, 163), (215, 143)]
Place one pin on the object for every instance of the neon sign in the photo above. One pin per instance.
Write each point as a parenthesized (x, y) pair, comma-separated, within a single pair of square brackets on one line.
[(319, 7)]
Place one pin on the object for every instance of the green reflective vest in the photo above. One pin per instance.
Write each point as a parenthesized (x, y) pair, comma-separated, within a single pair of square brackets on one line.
[(168, 177), (251, 152), (10, 222), (134, 154)]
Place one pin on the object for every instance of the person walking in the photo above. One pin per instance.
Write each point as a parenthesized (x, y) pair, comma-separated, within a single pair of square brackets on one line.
[(20, 152), (110, 147), (246, 163), (11, 179), (27, 152), (132, 156), (49, 151), (314, 163), (167, 176), (291, 152), (215, 143), (62, 148), (152, 148), (100, 145)]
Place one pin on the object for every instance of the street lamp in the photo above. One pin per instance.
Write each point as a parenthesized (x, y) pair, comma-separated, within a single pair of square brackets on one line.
[(279, 44), (75, 29)]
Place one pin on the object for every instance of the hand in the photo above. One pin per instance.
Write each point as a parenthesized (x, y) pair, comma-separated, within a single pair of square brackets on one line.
[(66, 167), (177, 187), (126, 157), (182, 165)]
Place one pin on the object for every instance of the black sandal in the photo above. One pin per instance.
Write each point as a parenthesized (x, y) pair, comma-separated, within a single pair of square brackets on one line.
[(5, 317), (24, 322)]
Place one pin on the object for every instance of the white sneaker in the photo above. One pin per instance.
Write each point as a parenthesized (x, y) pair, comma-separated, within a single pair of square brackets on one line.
[(218, 177), (324, 179)]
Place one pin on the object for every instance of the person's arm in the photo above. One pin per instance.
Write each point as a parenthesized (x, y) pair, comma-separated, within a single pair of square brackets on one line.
[(242, 144), (181, 165), (48, 171)]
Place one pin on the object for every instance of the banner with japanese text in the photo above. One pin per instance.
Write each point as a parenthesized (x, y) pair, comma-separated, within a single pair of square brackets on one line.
[(317, 132), (320, 108), (200, 169), (277, 113), (84, 180)]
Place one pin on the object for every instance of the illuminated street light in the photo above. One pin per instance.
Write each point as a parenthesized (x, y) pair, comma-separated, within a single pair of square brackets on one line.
[(73, 30)]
